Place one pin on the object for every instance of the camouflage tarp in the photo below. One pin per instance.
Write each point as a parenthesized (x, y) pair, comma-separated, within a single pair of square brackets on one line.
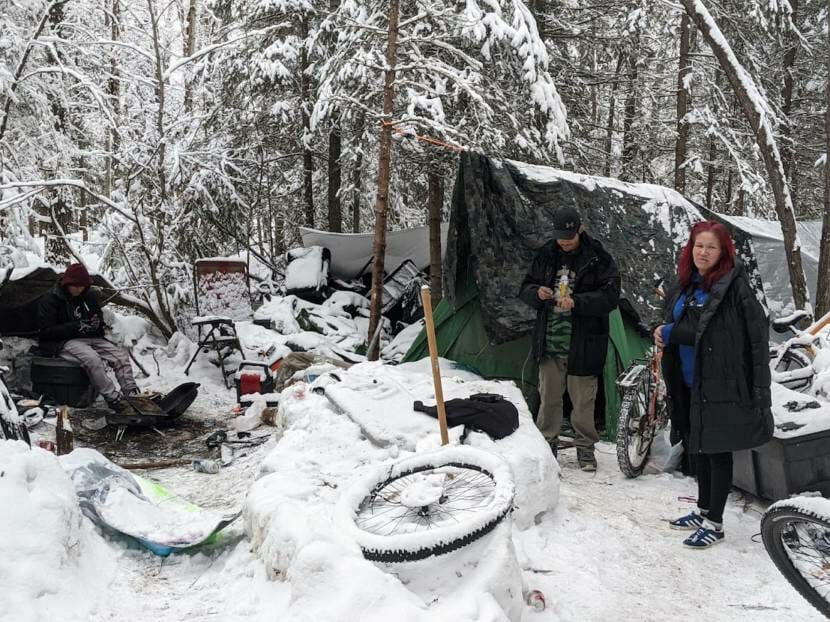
[(502, 211)]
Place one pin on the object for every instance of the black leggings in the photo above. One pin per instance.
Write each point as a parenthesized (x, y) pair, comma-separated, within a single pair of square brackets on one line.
[(714, 479)]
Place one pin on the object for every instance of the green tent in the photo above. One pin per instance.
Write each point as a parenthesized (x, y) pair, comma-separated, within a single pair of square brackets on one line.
[(462, 337), (501, 213)]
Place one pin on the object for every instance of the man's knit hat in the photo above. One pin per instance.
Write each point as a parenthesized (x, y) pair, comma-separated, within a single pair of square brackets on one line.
[(76, 274)]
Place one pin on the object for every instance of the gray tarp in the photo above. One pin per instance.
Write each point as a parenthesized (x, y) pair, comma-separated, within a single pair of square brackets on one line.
[(352, 252), (768, 247)]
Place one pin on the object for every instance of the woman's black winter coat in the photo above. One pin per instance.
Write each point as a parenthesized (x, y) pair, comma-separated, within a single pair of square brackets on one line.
[(729, 406)]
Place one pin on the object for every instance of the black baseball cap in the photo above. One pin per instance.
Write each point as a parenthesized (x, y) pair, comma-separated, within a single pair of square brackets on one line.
[(566, 223)]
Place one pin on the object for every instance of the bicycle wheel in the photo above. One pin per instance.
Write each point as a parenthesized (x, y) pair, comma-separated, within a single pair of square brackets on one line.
[(786, 370), (635, 432), (798, 541), (428, 504)]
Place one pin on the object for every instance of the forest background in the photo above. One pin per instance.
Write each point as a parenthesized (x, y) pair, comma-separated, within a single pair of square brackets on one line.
[(167, 130)]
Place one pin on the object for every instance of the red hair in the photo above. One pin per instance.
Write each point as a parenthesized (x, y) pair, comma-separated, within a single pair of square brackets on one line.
[(686, 267)]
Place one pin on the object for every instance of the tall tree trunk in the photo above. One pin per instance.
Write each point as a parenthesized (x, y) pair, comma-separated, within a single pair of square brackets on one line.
[(538, 9), (189, 50), (356, 183), (755, 112), (823, 295), (435, 202), (335, 170), (629, 146), (335, 211), (710, 173), (384, 174), (684, 71), (113, 92), (609, 128), (308, 163)]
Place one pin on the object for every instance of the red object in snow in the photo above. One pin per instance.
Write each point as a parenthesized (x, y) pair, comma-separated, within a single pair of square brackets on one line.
[(250, 383)]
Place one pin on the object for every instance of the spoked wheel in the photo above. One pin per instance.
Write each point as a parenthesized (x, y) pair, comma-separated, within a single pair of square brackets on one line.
[(786, 371), (429, 504), (798, 541), (635, 432)]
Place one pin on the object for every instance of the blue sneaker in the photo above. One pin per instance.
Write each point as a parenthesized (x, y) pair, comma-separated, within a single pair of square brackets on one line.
[(690, 522), (705, 536)]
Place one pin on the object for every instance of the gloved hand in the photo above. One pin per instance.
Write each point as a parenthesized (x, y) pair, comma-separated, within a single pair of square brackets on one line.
[(86, 328)]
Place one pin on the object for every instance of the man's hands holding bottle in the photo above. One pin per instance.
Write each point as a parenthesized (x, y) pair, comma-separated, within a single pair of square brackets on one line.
[(546, 293)]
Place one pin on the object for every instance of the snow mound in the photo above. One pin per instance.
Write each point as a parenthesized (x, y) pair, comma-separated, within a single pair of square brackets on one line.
[(292, 519), (52, 564)]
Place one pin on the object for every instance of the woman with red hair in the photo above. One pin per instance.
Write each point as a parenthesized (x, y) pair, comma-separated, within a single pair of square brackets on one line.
[(716, 365)]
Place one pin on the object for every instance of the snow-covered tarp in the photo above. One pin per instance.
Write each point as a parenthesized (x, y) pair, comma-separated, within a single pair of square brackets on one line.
[(352, 252), (502, 213), (768, 247)]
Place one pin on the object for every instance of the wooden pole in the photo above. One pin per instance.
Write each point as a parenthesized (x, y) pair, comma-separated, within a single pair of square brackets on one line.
[(64, 438), (426, 299), (384, 173)]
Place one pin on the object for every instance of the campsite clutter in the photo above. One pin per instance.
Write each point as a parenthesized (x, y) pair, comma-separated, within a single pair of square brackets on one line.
[(280, 392)]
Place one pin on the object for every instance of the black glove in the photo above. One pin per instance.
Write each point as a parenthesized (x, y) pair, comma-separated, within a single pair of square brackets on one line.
[(86, 328)]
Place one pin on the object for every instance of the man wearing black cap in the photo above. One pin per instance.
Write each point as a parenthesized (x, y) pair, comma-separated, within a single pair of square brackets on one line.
[(72, 327), (573, 283)]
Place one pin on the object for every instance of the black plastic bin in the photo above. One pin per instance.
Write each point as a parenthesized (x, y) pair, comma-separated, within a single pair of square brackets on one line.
[(62, 382), (785, 466)]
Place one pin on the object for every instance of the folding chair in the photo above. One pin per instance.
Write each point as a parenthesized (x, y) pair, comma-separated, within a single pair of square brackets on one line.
[(218, 334)]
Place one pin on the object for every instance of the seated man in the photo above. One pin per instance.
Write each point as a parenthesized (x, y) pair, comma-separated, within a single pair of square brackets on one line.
[(72, 327)]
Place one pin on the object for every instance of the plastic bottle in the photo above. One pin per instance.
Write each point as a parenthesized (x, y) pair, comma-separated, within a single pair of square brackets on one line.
[(535, 600), (207, 466)]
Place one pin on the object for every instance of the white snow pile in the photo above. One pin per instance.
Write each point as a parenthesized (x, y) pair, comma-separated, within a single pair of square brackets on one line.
[(306, 269), (294, 514), (339, 324), (52, 564)]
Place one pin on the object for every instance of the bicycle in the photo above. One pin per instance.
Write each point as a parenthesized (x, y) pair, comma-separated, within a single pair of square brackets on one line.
[(791, 362), (796, 535), (428, 504), (643, 412)]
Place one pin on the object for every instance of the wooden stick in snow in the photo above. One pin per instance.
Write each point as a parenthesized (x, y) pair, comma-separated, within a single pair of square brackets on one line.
[(426, 299)]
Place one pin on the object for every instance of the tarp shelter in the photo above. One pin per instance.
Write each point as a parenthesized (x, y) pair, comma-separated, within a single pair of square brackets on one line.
[(501, 213), (768, 249), (351, 253), (20, 291)]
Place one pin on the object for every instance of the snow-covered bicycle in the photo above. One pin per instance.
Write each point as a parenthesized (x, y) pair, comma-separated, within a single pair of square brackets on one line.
[(428, 504), (643, 412), (796, 534), (792, 361)]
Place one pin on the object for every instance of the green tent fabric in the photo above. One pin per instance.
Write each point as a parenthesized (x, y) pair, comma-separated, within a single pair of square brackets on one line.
[(462, 337)]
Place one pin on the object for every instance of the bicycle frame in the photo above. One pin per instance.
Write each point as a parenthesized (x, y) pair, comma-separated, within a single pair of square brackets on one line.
[(631, 377)]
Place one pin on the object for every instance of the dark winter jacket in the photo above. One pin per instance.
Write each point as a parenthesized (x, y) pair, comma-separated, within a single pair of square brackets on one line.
[(729, 401), (62, 317), (596, 291)]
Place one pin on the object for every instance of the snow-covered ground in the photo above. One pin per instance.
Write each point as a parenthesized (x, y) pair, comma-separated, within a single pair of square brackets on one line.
[(597, 545), (605, 551)]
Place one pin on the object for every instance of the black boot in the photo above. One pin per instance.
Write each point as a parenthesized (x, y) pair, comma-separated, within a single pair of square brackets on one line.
[(121, 407)]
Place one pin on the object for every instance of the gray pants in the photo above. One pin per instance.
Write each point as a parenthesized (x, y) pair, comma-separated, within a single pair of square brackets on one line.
[(553, 380), (91, 353)]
